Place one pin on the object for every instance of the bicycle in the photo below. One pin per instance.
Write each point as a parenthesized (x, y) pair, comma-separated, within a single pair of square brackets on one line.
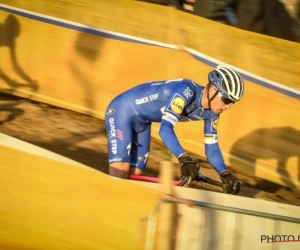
[(185, 181)]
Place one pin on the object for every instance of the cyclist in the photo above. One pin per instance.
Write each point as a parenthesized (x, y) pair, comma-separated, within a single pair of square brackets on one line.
[(129, 117)]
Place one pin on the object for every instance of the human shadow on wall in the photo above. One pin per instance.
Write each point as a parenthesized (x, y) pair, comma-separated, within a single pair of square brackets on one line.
[(88, 48), (9, 111), (9, 31), (279, 144)]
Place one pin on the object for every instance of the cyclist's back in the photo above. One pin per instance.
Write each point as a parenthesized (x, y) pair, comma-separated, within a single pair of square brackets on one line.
[(149, 100)]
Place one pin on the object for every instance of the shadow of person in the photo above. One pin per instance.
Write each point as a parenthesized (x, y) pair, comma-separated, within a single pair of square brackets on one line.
[(279, 143), (6, 114), (87, 48), (9, 109), (9, 31)]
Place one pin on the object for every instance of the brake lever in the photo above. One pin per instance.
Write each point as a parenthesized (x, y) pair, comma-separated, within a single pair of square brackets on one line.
[(183, 181), (189, 180)]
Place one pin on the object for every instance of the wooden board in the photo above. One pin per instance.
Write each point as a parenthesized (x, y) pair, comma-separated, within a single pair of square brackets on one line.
[(268, 57), (83, 72), (47, 204)]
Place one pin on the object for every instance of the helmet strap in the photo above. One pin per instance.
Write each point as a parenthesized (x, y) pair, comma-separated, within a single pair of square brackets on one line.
[(210, 98)]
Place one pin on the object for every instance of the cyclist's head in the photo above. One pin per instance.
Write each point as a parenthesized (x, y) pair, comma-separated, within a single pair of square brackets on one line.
[(228, 82)]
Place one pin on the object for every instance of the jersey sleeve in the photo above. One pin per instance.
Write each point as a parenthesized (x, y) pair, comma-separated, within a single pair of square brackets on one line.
[(181, 95), (212, 149)]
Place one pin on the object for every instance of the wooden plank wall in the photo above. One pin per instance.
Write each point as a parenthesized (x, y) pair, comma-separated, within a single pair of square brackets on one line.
[(83, 72), (51, 204)]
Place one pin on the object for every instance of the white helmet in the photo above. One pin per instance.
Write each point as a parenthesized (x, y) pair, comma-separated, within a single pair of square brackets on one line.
[(228, 82)]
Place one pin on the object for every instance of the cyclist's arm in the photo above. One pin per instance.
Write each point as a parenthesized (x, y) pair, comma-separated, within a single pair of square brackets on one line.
[(179, 99), (212, 150), (168, 135)]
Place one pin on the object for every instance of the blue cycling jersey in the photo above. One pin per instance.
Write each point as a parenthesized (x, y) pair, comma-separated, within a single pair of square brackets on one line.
[(129, 117)]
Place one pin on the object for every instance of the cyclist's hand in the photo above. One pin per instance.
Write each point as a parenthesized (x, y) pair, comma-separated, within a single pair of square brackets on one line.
[(188, 167), (230, 185)]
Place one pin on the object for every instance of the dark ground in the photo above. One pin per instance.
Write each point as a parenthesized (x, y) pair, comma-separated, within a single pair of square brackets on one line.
[(82, 138)]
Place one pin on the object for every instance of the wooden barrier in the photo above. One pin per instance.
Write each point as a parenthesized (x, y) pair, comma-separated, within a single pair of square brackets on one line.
[(167, 213), (50, 203), (271, 58), (74, 67)]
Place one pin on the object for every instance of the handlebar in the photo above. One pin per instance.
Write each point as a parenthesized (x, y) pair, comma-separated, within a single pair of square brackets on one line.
[(187, 180)]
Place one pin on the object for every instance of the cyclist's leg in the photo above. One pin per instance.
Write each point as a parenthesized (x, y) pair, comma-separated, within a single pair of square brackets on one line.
[(119, 131), (140, 151)]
